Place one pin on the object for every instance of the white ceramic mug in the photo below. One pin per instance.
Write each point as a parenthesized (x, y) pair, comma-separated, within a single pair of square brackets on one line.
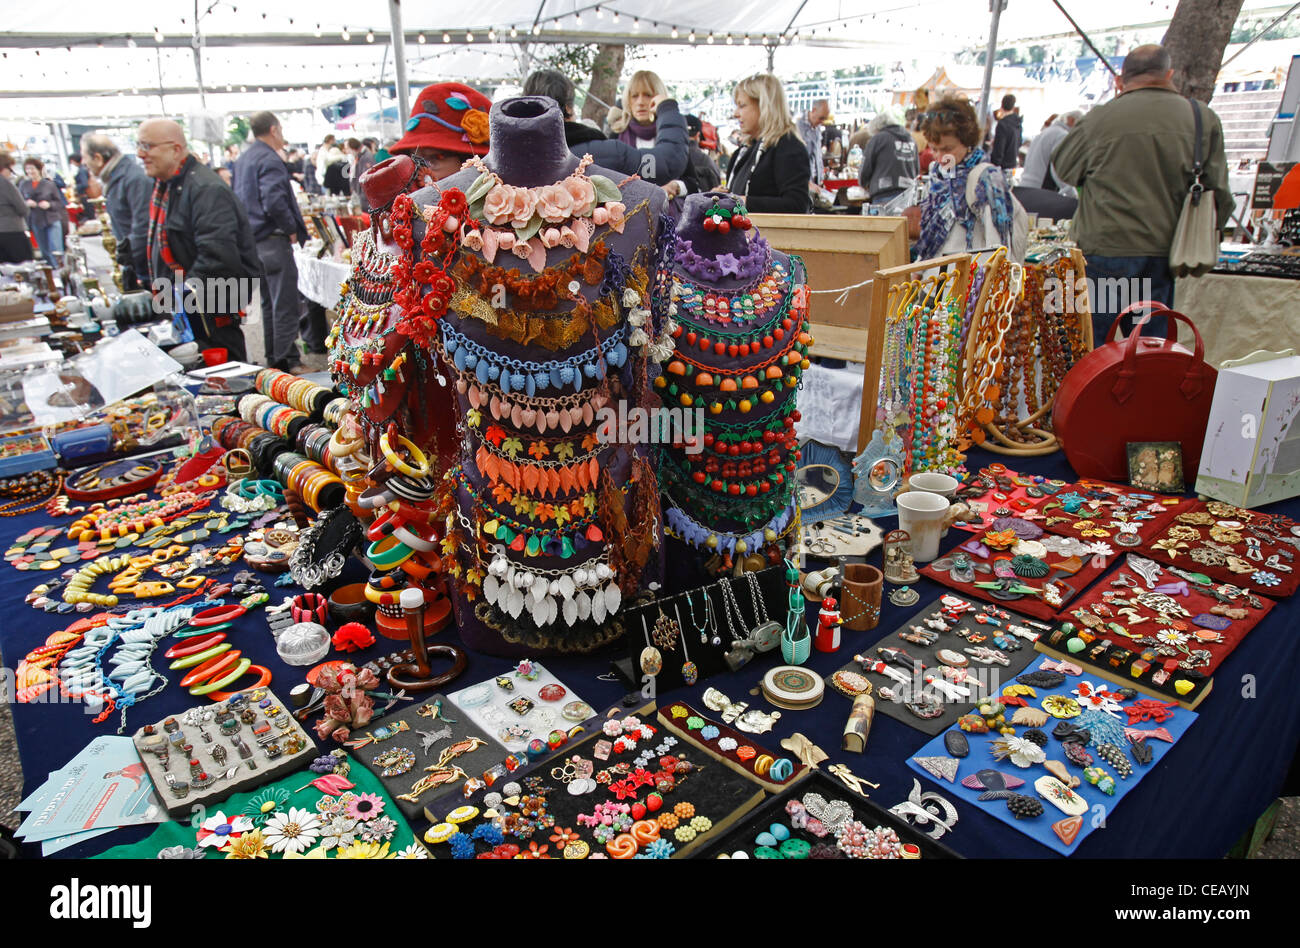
[(934, 482), (922, 515)]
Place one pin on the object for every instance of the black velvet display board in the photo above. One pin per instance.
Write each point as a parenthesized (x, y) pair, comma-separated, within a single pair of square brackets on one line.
[(999, 675), (708, 658), (716, 792), (740, 837), (473, 763)]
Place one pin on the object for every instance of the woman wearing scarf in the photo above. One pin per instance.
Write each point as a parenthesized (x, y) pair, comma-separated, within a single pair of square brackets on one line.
[(948, 221), (651, 121)]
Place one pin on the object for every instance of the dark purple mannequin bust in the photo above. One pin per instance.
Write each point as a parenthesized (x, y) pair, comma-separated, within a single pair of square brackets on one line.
[(528, 150)]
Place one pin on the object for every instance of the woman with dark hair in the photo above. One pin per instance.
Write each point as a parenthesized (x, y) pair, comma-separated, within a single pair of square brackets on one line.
[(45, 210), (957, 216), (15, 247)]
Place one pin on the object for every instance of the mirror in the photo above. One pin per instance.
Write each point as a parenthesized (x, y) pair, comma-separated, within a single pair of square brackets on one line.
[(824, 481)]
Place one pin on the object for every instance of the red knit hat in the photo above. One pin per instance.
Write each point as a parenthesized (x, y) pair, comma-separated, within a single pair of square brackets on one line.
[(448, 116)]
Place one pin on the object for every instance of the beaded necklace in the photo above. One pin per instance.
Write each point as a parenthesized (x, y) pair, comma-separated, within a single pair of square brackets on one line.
[(29, 492), (527, 376)]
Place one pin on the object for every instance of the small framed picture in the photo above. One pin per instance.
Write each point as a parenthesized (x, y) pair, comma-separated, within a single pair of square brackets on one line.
[(1156, 466)]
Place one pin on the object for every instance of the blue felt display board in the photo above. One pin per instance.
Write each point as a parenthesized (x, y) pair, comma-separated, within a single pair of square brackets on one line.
[(1039, 828)]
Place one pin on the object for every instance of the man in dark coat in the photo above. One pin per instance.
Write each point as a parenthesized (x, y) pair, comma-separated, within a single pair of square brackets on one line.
[(127, 190), (201, 252), (1006, 142), (262, 186)]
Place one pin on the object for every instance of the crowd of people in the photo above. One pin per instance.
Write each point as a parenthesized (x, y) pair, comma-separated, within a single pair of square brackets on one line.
[(1120, 172)]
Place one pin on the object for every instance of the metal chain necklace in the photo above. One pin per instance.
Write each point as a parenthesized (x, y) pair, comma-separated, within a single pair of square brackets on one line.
[(729, 603)]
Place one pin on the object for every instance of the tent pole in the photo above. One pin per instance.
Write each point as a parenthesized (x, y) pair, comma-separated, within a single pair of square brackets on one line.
[(197, 44), (996, 6), (399, 60)]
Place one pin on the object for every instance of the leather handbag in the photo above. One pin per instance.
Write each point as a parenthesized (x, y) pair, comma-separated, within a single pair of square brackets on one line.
[(1139, 388), (1195, 249)]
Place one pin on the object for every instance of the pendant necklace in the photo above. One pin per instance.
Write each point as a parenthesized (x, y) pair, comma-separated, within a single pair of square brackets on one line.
[(690, 673), (652, 662)]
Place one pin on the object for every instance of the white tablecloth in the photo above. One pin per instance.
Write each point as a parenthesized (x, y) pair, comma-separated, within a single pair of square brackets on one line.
[(319, 280), (1236, 315), (830, 404)]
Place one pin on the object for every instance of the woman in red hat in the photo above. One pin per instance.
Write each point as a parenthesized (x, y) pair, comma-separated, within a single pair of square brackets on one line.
[(448, 123)]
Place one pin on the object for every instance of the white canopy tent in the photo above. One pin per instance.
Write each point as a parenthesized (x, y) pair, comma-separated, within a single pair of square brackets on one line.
[(68, 60)]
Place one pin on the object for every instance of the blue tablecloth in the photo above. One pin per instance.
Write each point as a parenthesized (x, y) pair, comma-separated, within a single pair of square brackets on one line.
[(1195, 803)]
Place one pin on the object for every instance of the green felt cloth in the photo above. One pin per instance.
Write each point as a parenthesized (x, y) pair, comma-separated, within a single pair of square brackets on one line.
[(182, 833)]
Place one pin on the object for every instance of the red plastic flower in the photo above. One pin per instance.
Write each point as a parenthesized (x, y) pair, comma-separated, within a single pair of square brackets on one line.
[(425, 271), (454, 202)]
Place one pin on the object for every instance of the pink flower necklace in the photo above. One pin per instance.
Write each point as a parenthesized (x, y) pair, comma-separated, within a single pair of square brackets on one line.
[(530, 221)]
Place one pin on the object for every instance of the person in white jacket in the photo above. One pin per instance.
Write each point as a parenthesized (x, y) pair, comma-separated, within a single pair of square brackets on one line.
[(1038, 163)]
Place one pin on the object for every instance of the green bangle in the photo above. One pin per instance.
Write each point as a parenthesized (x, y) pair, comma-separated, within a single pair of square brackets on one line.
[(189, 661), (243, 666), (205, 630), (388, 552)]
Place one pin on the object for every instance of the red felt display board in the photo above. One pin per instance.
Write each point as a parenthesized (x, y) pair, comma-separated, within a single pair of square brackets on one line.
[(1108, 500), (1255, 579), (1101, 603), (1030, 605), (995, 486)]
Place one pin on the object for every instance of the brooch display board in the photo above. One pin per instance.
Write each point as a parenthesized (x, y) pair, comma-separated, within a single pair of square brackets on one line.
[(995, 488), (1016, 565), (1249, 548), (733, 749), (1157, 630), (956, 630), (745, 835), (1113, 513), (1022, 771), (428, 738), (559, 809), (212, 751), (534, 704)]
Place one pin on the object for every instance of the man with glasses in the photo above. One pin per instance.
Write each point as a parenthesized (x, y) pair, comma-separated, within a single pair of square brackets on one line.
[(199, 239), (261, 182)]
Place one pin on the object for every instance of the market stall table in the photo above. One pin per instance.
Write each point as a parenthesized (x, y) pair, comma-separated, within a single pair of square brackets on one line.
[(1205, 792), (319, 279)]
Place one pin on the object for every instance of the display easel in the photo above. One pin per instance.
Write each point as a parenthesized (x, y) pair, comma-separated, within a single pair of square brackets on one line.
[(884, 295), (1016, 436)]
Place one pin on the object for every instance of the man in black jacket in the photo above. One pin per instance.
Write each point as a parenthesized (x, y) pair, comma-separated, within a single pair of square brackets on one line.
[(262, 186), (201, 251), (1006, 142), (670, 133), (126, 192)]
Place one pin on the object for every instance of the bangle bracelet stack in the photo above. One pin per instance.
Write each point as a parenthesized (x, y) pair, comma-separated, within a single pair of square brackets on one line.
[(301, 394)]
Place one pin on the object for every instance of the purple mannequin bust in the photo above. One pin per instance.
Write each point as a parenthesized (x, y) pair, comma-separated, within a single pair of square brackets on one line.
[(535, 345), (741, 346)]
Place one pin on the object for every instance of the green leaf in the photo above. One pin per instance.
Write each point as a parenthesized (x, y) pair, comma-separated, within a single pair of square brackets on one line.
[(476, 210), (528, 230), (606, 190), (481, 186)]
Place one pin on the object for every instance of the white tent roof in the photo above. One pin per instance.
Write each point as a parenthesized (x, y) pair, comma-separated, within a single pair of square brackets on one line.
[(74, 59)]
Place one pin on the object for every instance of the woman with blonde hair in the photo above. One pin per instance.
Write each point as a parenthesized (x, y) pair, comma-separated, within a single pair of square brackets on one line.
[(651, 121), (770, 170)]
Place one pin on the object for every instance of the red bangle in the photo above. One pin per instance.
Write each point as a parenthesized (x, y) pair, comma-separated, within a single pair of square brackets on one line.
[(310, 607), (212, 668), (197, 644), (217, 614)]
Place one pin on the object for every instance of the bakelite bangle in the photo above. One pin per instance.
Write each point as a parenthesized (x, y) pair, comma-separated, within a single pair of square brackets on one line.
[(217, 614), (212, 685), (211, 668), (198, 658), (413, 541), (309, 607), (395, 462), (263, 679), (388, 553)]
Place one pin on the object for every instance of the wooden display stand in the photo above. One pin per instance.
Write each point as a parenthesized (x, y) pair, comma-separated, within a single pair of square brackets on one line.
[(882, 299), (840, 251)]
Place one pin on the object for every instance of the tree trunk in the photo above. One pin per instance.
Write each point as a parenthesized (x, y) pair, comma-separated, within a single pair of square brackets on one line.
[(603, 88), (1197, 36)]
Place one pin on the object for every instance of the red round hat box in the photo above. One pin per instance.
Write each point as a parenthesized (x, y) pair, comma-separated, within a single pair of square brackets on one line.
[(1139, 388)]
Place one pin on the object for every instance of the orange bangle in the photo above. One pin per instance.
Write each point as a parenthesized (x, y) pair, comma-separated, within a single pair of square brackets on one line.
[(263, 679)]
